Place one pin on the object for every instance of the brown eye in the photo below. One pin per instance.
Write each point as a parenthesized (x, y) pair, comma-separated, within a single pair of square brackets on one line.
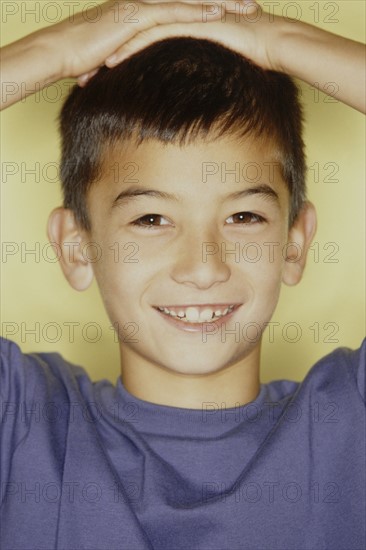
[(149, 221), (246, 218)]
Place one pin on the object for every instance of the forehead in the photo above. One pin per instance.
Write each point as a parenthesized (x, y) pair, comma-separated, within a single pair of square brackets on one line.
[(210, 168)]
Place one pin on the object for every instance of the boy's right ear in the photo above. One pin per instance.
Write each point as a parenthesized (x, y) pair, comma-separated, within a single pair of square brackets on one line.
[(66, 238)]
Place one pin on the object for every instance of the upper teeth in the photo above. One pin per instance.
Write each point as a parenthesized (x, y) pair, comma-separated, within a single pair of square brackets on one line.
[(193, 315)]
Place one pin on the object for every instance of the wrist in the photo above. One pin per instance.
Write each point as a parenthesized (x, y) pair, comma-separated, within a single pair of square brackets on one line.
[(294, 38), (47, 50), (281, 37)]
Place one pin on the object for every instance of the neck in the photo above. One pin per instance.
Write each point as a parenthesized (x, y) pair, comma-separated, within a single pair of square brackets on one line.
[(233, 385)]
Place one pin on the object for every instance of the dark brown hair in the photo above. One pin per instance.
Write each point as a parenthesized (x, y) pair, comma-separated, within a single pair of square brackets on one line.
[(174, 91)]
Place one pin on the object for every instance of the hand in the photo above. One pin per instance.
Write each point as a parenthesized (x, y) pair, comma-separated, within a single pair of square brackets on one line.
[(85, 45), (244, 28), (274, 43), (207, 13)]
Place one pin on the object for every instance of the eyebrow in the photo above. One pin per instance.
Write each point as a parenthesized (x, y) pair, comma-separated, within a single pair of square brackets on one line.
[(135, 192), (263, 189)]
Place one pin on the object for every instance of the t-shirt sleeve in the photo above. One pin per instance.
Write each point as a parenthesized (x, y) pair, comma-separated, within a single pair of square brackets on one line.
[(33, 388), (17, 384), (347, 368), (357, 361), (18, 379)]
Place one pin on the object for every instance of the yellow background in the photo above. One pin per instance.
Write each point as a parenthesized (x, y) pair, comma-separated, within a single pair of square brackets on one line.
[(331, 295)]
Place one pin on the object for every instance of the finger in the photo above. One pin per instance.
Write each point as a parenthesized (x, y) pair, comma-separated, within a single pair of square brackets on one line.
[(244, 7), (83, 79), (144, 39), (228, 5), (251, 6), (161, 15), (184, 12), (165, 12)]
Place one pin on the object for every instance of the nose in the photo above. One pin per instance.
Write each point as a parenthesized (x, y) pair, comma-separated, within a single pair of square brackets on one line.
[(198, 262)]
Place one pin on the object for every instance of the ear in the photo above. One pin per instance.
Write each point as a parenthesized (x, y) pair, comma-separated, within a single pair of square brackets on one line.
[(299, 240), (66, 237)]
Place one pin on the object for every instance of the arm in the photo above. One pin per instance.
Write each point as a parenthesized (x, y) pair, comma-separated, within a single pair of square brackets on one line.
[(27, 61), (314, 55)]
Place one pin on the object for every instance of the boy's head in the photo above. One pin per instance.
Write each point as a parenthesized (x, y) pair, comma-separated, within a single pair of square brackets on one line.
[(183, 178), (175, 91)]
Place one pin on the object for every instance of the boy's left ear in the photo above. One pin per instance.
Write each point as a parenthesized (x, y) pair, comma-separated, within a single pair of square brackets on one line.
[(300, 237)]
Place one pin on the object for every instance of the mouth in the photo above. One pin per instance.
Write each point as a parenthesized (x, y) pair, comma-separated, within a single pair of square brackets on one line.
[(196, 315)]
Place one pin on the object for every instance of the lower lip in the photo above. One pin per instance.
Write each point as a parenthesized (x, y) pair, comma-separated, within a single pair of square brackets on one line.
[(196, 327)]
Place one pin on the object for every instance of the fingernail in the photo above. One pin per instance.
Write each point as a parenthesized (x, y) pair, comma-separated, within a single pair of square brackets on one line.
[(82, 80), (111, 60)]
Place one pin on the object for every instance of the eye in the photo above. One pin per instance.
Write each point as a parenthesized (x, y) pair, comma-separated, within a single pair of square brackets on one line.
[(246, 218), (148, 221)]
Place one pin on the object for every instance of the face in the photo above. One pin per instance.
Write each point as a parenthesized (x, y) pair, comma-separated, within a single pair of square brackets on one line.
[(205, 227)]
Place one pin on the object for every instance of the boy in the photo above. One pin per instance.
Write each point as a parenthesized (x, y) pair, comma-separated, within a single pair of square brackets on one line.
[(149, 463)]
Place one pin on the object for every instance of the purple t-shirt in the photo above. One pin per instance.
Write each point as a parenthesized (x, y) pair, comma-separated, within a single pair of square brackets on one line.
[(86, 465)]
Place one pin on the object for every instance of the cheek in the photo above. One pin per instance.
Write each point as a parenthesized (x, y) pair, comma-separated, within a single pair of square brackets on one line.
[(123, 274), (262, 266), (266, 282), (115, 274), (264, 259)]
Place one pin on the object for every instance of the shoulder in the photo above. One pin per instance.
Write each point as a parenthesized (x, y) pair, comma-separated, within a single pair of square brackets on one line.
[(342, 370), (23, 375)]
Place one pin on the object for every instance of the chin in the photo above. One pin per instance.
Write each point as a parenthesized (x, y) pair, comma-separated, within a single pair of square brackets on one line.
[(192, 363)]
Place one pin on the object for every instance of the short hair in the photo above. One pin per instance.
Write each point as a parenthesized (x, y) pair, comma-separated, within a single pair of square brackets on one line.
[(177, 90)]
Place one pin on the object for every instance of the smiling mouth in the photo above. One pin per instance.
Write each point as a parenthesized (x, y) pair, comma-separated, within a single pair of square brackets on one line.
[(198, 314)]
